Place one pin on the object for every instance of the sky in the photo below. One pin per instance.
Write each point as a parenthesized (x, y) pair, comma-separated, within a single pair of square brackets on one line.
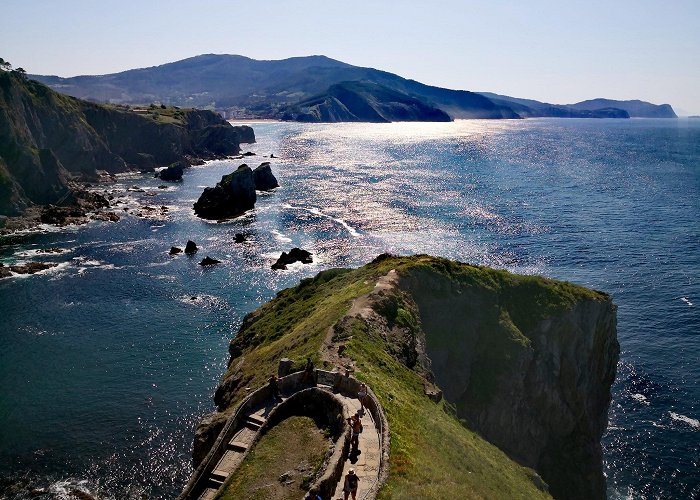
[(554, 51)]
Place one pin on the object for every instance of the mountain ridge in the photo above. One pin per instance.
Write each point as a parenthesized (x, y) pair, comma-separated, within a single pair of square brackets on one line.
[(241, 87)]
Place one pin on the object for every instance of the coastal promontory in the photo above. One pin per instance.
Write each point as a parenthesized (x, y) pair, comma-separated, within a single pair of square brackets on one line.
[(493, 385), (49, 140)]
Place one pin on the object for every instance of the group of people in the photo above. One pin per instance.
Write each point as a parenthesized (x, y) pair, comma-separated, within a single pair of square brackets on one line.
[(351, 481)]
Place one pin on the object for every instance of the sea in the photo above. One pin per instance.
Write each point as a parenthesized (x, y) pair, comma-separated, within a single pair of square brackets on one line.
[(108, 360)]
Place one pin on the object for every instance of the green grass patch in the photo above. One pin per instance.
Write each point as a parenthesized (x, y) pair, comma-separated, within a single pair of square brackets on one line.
[(282, 464)]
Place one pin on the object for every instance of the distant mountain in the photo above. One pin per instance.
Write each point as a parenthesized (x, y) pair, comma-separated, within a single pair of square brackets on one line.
[(636, 108), (529, 108), (365, 102), (241, 87)]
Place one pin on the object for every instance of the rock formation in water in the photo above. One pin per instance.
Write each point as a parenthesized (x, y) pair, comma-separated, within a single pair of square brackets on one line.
[(264, 178), (294, 255), (48, 139), (232, 196), (235, 193), (173, 172), (191, 247)]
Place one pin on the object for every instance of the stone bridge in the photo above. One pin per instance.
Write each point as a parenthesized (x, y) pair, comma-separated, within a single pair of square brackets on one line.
[(333, 397)]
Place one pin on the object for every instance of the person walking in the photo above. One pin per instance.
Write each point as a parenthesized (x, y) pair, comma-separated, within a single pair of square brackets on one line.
[(350, 485), (362, 395), (355, 430)]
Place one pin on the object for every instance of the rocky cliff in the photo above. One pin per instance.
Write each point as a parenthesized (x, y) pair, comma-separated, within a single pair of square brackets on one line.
[(524, 362), (48, 139), (527, 363)]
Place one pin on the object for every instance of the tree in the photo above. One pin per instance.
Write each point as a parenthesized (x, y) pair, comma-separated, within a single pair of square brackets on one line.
[(5, 65), (21, 73)]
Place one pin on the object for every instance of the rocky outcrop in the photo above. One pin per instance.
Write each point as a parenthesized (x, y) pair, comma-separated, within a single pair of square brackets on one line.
[(208, 261), (294, 255), (536, 383), (191, 247), (173, 172), (47, 139), (175, 250), (264, 178), (232, 196), (524, 361), (32, 267)]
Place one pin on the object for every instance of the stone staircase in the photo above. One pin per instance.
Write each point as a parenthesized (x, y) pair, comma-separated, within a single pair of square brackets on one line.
[(236, 450), (250, 417)]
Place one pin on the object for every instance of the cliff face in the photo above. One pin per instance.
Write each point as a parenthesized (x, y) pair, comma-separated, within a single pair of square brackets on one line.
[(47, 139), (363, 101), (529, 370)]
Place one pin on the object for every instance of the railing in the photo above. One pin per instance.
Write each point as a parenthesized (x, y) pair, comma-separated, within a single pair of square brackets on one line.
[(291, 383), (197, 482)]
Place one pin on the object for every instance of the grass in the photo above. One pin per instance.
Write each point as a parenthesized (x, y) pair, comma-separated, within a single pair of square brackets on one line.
[(295, 448), (432, 454)]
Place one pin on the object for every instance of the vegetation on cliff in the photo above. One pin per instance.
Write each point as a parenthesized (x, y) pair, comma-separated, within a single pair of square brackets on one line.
[(48, 139), (435, 451)]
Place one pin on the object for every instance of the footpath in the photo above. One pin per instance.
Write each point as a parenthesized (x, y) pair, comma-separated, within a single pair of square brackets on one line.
[(244, 428)]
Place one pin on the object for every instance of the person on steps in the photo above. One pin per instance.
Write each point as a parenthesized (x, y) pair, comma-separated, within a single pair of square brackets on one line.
[(308, 377), (350, 485), (274, 387), (355, 430), (362, 395)]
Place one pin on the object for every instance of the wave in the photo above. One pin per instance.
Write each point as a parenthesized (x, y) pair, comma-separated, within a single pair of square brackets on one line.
[(281, 237), (316, 211), (687, 420), (641, 398)]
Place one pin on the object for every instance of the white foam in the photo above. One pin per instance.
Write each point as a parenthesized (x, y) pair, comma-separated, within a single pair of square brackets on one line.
[(50, 271), (687, 301), (281, 237), (640, 398), (318, 212), (682, 418)]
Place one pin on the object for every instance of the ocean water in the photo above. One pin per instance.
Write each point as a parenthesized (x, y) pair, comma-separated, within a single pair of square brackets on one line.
[(108, 360)]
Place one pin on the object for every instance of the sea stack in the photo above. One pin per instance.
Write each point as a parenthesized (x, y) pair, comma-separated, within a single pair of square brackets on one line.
[(264, 178), (232, 196)]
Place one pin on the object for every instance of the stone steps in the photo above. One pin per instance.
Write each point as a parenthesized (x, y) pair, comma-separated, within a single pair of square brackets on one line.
[(367, 462)]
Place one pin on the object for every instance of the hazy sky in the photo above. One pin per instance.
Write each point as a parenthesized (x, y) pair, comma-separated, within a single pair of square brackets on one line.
[(556, 51)]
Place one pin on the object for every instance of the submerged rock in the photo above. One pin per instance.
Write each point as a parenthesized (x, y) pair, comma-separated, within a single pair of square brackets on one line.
[(191, 247), (232, 196), (264, 178), (294, 255), (4, 272)]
